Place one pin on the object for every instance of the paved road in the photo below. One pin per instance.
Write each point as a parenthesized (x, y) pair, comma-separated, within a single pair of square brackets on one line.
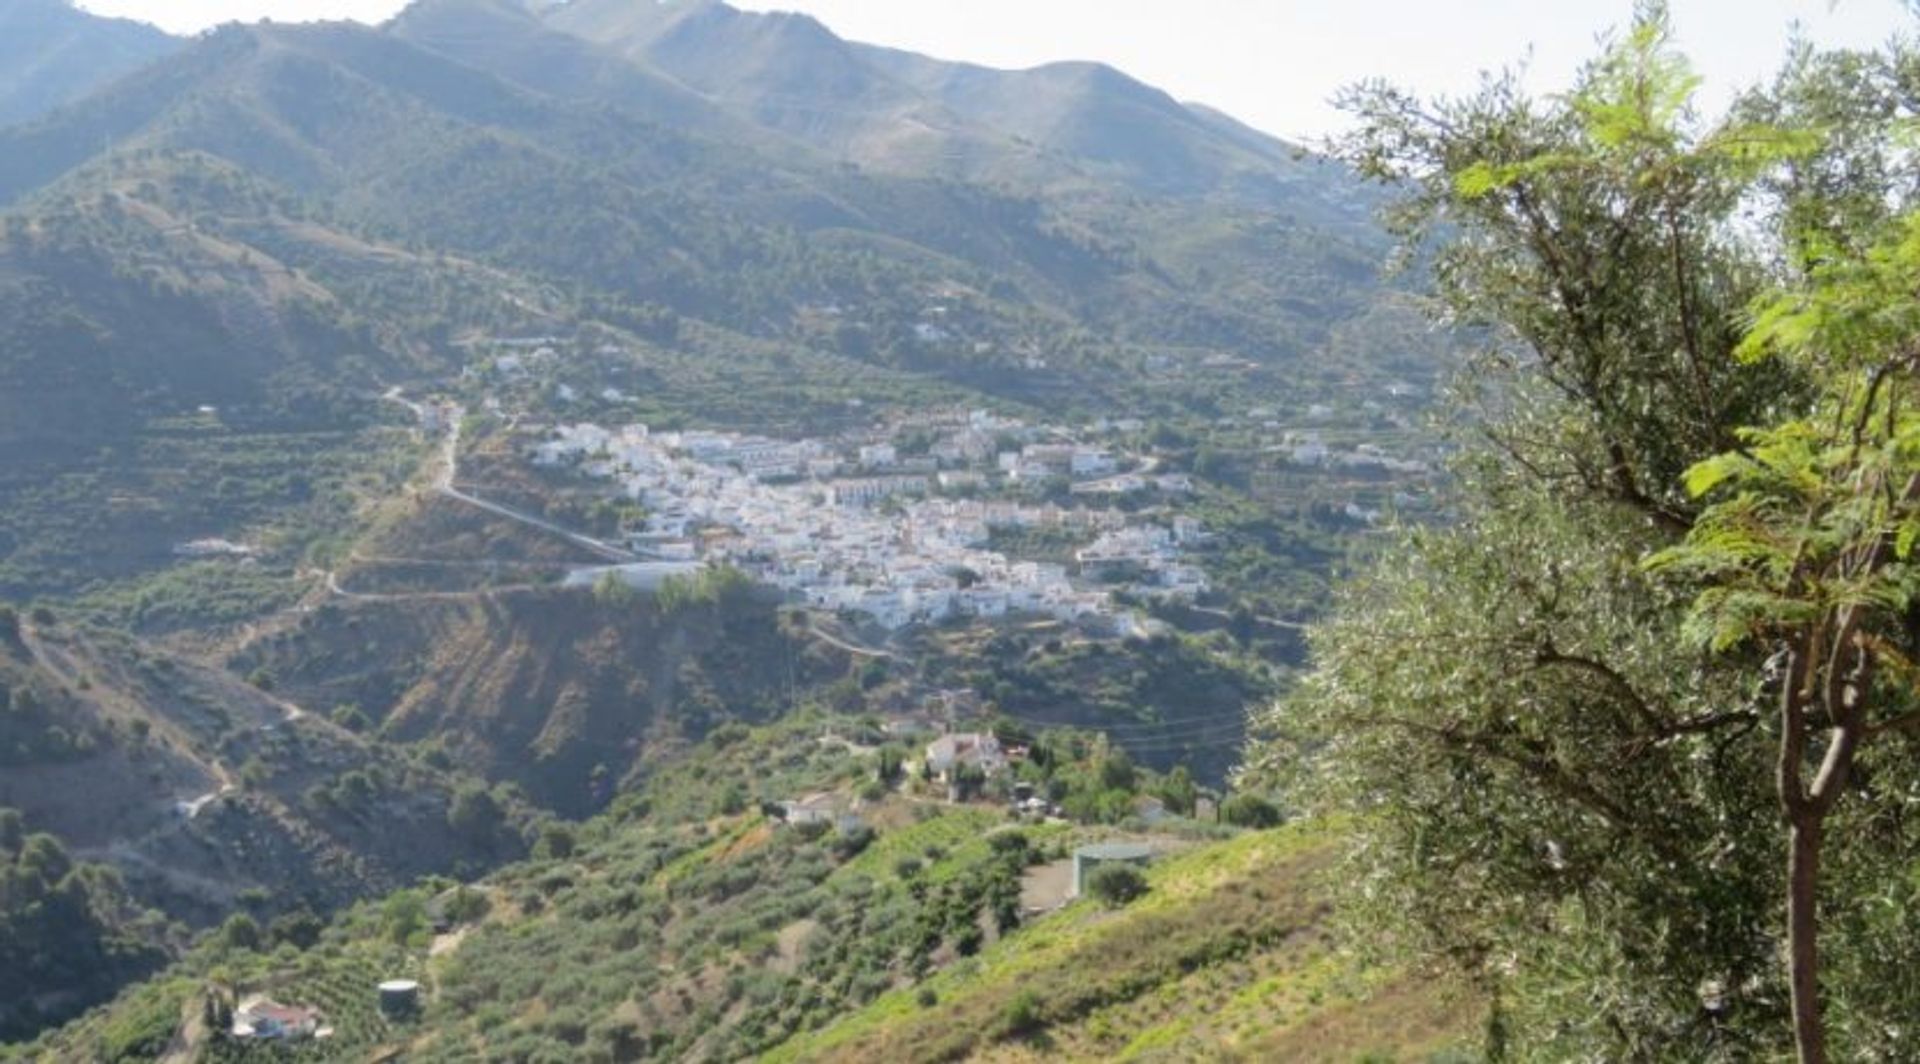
[(850, 647), (599, 547), (333, 586), (445, 478)]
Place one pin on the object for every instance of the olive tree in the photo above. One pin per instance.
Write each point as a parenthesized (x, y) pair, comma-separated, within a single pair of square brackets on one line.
[(1570, 722)]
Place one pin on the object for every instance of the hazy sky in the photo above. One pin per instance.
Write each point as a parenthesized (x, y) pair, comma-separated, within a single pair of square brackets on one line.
[(1272, 63)]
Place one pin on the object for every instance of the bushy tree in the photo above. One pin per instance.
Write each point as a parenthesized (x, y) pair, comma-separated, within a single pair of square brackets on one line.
[(403, 915), (1570, 724), (556, 841), (474, 813), (241, 932)]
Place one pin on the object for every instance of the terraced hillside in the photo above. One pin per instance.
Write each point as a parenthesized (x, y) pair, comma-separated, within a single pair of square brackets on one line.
[(1229, 956), (699, 920)]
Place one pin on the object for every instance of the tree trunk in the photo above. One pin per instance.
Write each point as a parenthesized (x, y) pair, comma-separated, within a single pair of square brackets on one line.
[(1803, 952)]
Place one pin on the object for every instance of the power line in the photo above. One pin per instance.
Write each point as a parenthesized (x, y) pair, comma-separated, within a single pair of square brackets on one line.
[(1130, 726)]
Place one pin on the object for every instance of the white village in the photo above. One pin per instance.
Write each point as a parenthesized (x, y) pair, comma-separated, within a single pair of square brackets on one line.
[(853, 526)]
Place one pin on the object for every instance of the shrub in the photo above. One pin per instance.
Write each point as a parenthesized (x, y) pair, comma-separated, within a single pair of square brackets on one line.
[(1008, 843), (613, 592), (1116, 884), (849, 844), (1250, 811), (556, 842), (1022, 1016), (1117, 772), (467, 905), (350, 716), (473, 813), (299, 928), (240, 932), (403, 914)]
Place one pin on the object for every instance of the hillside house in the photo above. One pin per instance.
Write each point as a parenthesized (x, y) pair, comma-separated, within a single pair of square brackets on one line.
[(266, 1019), (1091, 462), (822, 809), (950, 753), (817, 809)]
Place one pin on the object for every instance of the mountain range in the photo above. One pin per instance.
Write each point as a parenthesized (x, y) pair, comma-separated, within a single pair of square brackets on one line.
[(259, 198)]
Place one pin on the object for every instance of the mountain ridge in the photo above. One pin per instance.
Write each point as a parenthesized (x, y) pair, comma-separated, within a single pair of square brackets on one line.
[(793, 73), (52, 53)]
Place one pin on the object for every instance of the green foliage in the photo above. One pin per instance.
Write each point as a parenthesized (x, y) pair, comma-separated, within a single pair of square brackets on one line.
[(37, 727), (350, 716), (556, 841), (1196, 961), (1804, 553), (1178, 791), (1116, 884), (241, 932), (1554, 788), (403, 916), (143, 1031), (1249, 811), (712, 586), (67, 929), (1803, 494), (299, 928), (1023, 1016), (576, 944), (1012, 844), (474, 813), (467, 905), (614, 593)]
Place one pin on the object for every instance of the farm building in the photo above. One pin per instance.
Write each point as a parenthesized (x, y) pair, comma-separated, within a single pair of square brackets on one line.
[(264, 1018)]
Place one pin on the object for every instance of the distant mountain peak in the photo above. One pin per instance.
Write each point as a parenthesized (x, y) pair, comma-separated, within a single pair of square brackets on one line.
[(67, 12), (517, 8), (52, 53)]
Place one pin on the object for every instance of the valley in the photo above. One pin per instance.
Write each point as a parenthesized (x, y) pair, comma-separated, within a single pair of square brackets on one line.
[(571, 465)]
